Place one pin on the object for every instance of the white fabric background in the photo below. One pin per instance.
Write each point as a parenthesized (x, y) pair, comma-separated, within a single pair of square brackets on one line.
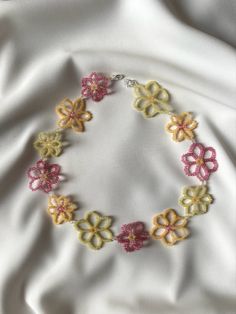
[(123, 165)]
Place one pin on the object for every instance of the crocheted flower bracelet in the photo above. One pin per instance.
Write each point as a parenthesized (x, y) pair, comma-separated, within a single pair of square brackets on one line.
[(94, 229)]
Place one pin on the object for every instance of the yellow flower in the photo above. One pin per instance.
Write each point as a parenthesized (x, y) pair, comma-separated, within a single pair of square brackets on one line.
[(73, 114), (195, 200), (169, 227), (182, 126), (151, 99), (94, 230), (61, 208), (48, 144)]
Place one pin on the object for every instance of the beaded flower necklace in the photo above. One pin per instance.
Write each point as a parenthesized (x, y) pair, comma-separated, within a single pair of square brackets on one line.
[(94, 229)]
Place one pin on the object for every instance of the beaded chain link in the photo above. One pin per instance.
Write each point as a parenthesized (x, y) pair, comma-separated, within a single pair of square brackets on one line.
[(94, 229)]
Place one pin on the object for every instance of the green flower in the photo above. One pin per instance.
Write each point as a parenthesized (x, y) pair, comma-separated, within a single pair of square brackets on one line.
[(195, 200), (94, 230), (151, 99), (49, 144)]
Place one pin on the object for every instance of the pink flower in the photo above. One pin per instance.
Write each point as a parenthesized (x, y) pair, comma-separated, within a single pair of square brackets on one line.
[(95, 86), (43, 176), (200, 161), (132, 236)]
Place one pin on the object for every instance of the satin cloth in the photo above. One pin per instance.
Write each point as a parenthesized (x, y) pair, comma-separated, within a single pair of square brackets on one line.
[(123, 165)]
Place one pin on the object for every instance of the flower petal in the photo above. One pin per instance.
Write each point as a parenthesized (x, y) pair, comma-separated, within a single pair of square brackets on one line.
[(201, 209), (181, 233), (86, 92), (34, 173), (94, 218), (189, 134), (79, 105), (41, 164), (132, 246), (123, 237), (53, 200), (158, 233), (96, 242), (171, 128), (185, 201), (180, 222), (106, 235), (140, 103), (46, 186), (197, 149), (163, 96), (189, 158), (153, 87), (137, 227), (86, 81), (210, 153), (212, 165), (35, 184), (63, 217), (151, 110), (160, 220), (203, 173), (64, 123), (141, 91), (143, 236), (77, 125), (191, 169), (52, 210), (105, 222), (206, 199), (64, 108), (179, 135), (83, 225), (85, 236), (85, 116), (171, 215), (169, 239)]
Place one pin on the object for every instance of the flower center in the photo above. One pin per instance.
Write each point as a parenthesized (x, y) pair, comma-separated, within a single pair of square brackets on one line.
[(60, 208), (72, 114), (151, 98), (93, 229), (93, 87), (44, 177), (48, 143), (195, 200), (169, 228), (131, 237), (199, 161), (182, 126)]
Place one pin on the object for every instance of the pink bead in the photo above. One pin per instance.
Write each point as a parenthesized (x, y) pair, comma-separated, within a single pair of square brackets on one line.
[(169, 228)]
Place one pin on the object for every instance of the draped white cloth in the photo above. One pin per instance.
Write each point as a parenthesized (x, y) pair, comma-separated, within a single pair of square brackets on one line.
[(123, 165)]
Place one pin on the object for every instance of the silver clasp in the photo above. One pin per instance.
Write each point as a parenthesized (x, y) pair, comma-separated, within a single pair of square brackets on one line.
[(130, 82), (117, 77)]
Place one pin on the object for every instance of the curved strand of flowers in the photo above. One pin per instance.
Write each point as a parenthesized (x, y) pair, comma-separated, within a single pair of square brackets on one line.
[(94, 229)]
